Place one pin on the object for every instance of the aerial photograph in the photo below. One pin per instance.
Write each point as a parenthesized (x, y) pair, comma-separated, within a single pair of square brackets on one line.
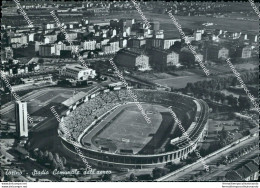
[(129, 91)]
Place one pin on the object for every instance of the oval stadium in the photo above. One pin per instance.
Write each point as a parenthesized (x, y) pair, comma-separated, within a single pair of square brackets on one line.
[(111, 131)]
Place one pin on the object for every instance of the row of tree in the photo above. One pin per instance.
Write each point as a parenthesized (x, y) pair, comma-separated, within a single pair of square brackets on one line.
[(210, 90), (220, 83), (48, 158)]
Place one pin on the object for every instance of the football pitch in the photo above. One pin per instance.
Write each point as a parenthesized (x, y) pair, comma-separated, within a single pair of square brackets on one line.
[(126, 128)]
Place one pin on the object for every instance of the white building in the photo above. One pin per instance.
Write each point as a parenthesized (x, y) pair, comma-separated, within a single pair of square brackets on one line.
[(167, 43), (47, 50), (111, 47), (31, 37), (49, 26), (78, 72), (21, 119), (89, 45), (197, 36)]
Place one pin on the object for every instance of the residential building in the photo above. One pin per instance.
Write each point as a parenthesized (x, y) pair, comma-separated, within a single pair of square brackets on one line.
[(122, 43), (156, 43), (111, 47), (72, 35), (159, 34), (132, 59), (52, 38), (244, 52), (21, 39), (249, 171), (47, 50), (161, 59), (197, 36), (155, 26), (167, 43), (136, 43), (187, 56), (48, 26), (215, 52), (89, 45)]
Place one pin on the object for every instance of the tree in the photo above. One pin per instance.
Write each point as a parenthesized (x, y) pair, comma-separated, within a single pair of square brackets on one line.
[(232, 101), (54, 164), (64, 160), (56, 157), (46, 155), (40, 61), (132, 177), (159, 172), (35, 153), (60, 164), (107, 177), (40, 155), (176, 47), (50, 157), (244, 103)]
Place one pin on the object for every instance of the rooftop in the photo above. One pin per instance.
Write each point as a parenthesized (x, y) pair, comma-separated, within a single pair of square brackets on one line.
[(77, 67), (70, 101)]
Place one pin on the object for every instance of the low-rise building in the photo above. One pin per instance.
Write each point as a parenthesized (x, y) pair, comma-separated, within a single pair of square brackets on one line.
[(52, 38), (21, 39), (247, 172), (167, 43), (244, 52), (78, 72), (215, 52)]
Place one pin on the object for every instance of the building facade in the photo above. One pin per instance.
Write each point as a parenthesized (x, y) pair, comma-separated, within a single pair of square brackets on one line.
[(46, 50), (161, 59), (78, 72), (244, 52), (22, 39), (132, 59), (89, 45), (215, 52)]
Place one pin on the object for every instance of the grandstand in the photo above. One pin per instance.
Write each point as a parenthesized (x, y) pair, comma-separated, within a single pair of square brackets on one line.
[(110, 129)]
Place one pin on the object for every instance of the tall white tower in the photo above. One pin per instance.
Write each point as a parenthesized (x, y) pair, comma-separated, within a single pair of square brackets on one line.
[(21, 119)]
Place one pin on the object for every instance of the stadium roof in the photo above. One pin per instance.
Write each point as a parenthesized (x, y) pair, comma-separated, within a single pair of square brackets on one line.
[(70, 101)]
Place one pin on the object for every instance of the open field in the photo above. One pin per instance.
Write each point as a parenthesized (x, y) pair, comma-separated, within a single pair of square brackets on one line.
[(230, 23), (236, 22), (177, 80), (180, 81)]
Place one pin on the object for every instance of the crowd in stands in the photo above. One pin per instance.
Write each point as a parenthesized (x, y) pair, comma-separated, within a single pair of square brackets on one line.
[(84, 115)]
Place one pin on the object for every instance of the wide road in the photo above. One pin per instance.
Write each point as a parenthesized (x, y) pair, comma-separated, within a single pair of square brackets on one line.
[(174, 176)]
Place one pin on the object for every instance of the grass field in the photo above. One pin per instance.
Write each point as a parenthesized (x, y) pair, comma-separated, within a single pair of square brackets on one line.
[(126, 128), (230, 23)]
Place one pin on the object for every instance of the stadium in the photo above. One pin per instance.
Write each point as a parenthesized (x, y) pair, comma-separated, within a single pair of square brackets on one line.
[(111, 131)]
